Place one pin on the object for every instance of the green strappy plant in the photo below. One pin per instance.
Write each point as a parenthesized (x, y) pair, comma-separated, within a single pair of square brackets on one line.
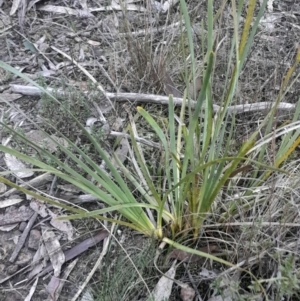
[(196, 153)]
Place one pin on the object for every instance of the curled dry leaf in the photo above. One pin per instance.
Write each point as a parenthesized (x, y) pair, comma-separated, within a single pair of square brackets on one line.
[(52, 287), (31, 4)]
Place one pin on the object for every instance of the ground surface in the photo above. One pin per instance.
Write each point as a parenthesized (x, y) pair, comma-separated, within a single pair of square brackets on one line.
[(126, 51)]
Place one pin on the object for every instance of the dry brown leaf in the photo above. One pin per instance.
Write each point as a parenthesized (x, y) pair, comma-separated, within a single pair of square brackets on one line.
[(163, 288), (10, 202), (54, 250), (31, 3), (17, 167), (62, 225), (59, 9), (41, 254)]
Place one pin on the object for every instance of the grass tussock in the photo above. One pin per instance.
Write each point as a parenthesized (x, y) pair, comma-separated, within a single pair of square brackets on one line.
[(222, 178)]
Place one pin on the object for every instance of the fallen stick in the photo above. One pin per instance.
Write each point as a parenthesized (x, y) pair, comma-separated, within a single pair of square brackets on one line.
[(157, 99)]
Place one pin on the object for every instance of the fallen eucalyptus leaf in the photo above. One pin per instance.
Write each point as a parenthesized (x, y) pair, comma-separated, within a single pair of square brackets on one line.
[(163, 288), (55, 253), (17, 167)]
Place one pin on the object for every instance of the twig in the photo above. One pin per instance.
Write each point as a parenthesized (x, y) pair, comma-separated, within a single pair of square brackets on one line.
[(23, 238)]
